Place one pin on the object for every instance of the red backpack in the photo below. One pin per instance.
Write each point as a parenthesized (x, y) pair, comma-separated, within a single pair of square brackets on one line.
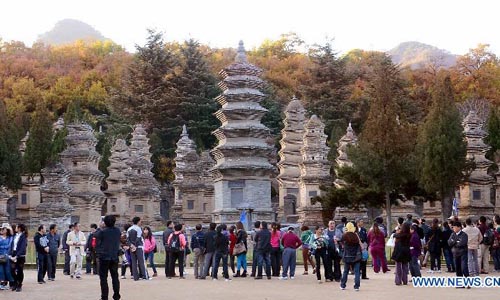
[(94, 242)]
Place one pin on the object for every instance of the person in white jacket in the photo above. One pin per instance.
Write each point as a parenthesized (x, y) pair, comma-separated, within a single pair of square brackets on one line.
[(474, 239), (76, 241)]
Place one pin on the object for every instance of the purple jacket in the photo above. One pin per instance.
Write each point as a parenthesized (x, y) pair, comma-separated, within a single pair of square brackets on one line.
[(415, 245)]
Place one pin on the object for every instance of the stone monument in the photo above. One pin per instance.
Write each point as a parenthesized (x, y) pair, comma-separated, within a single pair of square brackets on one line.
[(117, 201), (242, 171), (475, 195), (81, 159), (314, 171), (290, 160), (4, 198)]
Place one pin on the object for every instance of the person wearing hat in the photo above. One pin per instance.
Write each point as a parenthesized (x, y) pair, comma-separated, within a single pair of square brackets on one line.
[(352, 256), (458, 242), (5, 241), (290, 242)]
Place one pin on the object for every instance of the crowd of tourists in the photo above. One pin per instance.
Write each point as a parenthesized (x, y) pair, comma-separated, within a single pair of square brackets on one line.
[(466, 248)]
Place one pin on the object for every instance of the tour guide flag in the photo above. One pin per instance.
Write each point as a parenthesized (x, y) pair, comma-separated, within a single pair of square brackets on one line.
[(455, 207), (243, 216)]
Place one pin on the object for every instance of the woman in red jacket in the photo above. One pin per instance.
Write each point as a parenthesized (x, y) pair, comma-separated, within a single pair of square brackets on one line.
[(376, 241), (232, 242)]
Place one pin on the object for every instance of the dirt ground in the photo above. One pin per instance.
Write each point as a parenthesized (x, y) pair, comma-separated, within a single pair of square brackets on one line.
[(379, 286)]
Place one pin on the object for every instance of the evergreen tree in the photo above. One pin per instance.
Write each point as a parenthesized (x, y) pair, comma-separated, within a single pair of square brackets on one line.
[(39, 144), (441, 146), (10, 158), (493, 138), (197, 88), (382, 158), (327, 93)]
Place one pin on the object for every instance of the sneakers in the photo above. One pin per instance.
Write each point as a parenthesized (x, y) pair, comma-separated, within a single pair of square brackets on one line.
[(342, 288), (283, 278), (123, 277), (356, 289), (227, 279), (292, 278), (305, 273), (319, 281)]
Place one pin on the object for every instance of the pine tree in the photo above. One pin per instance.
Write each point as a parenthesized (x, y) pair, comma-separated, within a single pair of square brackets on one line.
[(385, 144), (39, 144), (10, 158), (441, 146), (493, 138)]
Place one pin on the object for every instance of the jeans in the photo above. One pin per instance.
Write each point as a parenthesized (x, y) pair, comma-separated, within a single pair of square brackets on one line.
[(289, 261), (461, 267), (496, 258), (231, 263), (415, 267), (401, 273), (484, 259), (137, 264), (241, 262), (254, 261), (332, 265), (473, 262), (199, 260), (347, 266), (448, 256), (91, 263), (209, 261), (275, 261), (150, 257), (42, 261), (167, 262), (263, 258), (112, 267), (75, 264), (218, 257), (52, 263), (176, 256)]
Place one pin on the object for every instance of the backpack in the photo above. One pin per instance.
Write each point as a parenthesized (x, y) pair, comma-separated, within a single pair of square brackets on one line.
[(488, 237), (174, 245), (94, 242)]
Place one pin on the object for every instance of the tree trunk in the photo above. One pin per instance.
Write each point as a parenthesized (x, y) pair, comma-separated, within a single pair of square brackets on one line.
[(388, 212), (446, 204)]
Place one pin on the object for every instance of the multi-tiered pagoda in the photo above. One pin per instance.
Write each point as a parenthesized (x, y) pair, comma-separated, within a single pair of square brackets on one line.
[(291, 158), (475, 195), (142, 190), (117, 202), (81, 159), (349, 139), (242, 171), (55, 193), (193, 189), (314, 170)]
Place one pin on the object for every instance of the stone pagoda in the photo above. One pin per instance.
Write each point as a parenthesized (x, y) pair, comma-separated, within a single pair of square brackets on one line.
[(475, 195), (55, 192), (117, 202), (349, 139), (142, 191), (314, 171), (23, 144), (290, 159), (81, 159), (242, 171), (4, 199), (193, 200)]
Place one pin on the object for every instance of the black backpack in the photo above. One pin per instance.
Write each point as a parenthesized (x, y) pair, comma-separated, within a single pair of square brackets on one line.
[(175, 243), (488, 237)]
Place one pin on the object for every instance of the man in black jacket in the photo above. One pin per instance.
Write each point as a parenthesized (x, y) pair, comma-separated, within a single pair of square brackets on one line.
[(42, 252), (210, 250), (263, 244), (458, 243), (54, 243), (67, 257), (91, 261), (166, 234), (107, 251)]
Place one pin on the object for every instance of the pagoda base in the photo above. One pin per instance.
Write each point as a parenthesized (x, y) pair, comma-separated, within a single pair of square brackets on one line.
[(474, 212), (310, 215), (351, 214), (231, 216)]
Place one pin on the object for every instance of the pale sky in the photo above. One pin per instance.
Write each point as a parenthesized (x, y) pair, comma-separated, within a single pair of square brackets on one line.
[(455, 26)]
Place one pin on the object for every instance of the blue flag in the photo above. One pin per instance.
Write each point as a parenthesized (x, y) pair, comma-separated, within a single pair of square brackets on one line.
[(455, 207), (243, 216)]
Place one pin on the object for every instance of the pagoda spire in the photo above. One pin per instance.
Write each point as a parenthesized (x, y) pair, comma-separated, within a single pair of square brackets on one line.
[(241, 56)]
